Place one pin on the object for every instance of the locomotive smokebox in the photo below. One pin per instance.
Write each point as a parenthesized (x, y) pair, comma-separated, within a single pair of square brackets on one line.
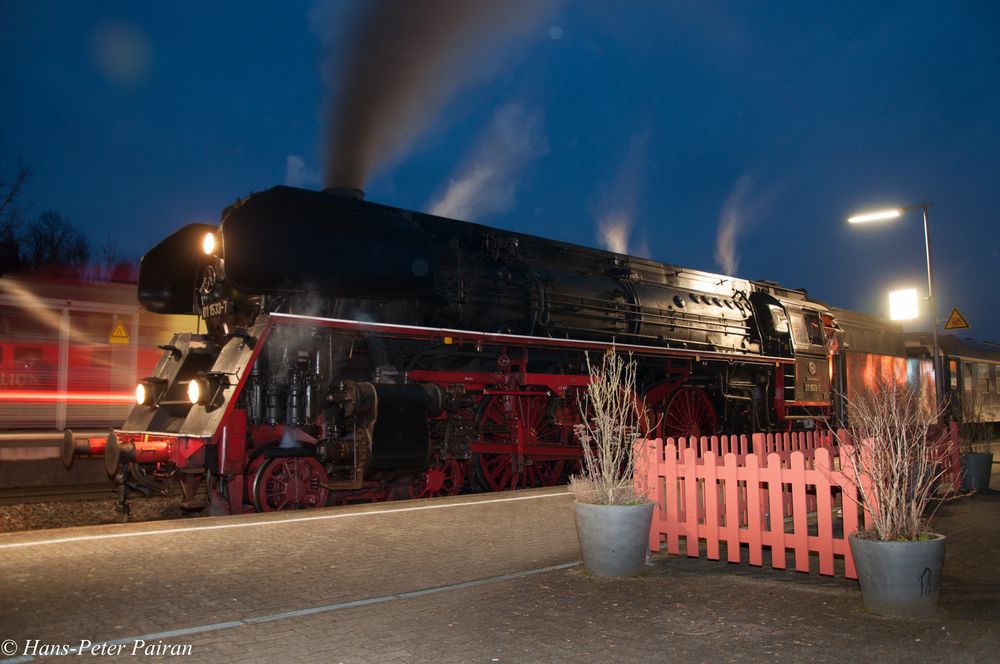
[(346, 192)]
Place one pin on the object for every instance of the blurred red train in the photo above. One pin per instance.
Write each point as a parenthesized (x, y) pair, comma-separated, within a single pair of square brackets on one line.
[(71, 351)]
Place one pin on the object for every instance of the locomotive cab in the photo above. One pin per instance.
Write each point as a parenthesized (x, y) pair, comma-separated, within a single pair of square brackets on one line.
[(792, 325)]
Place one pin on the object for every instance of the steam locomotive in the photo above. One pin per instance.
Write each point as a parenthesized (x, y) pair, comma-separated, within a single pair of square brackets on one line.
[(354, 351)]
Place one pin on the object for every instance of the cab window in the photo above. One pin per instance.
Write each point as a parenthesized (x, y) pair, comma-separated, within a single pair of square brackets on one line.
[(778, 316), (799, 334), (814, 328)]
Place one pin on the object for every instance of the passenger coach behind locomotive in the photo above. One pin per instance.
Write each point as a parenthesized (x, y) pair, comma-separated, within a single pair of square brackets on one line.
[(357, 348)]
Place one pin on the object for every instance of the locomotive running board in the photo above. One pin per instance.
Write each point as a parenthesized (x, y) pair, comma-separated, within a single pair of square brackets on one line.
[(449, 336)]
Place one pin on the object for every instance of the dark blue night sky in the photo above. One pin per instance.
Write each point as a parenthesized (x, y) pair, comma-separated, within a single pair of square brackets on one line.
[(777, 120)]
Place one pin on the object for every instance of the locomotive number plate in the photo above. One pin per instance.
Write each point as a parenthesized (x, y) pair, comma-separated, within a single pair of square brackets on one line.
[(215, 308)]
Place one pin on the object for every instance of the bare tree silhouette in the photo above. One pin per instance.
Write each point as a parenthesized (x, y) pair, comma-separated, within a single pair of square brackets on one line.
[(13, 179), (52, 240)]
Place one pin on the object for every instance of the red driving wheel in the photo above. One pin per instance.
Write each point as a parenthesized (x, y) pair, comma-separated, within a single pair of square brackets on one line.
[(496, 471), (292, 483), (443, 480), (689, 412), (545, 472), (499, 419)]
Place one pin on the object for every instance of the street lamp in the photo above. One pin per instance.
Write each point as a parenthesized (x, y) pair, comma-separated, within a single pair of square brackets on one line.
[(895, 213), (903, 304)]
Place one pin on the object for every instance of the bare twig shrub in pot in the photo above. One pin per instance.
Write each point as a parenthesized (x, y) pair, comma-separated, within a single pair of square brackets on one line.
[(894, 459), (612, 518), (977, 452)]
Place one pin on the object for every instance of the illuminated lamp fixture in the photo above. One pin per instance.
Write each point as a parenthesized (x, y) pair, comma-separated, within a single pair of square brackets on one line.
[(203, 390), (880, 215), (209, 243), (149, 390), (903, 304)]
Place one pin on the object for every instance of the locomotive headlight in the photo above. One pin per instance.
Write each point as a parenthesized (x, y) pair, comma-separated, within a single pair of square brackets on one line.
[(195, 390), (149, 390), (208, 243), (203, 390)]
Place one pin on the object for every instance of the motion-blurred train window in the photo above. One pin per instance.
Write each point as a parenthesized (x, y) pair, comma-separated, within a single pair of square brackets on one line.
[(100, 357), (30, 324), (967, 376)]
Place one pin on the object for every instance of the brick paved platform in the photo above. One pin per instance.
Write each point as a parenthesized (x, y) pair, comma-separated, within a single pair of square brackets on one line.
[(108, 582), (467, 579)]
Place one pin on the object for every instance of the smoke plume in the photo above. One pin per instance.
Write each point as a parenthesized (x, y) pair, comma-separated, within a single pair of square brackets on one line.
[(487, 183), (403, 62), (616, 211)]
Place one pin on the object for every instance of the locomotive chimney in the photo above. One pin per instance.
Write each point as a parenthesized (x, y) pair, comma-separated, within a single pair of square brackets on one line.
[(346, 192)]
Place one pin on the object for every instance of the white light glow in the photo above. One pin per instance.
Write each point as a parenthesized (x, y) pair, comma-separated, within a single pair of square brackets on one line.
[(140, 394), (194, 391), (208, 244), (874, 216), (903, 304)]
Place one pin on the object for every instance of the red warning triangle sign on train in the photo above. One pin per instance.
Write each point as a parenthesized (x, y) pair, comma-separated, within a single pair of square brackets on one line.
[(956, 321), (118, 334)]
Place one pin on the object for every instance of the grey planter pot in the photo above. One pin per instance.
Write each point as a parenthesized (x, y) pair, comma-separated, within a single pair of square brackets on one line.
[(614, 539), (899, 579), (976, 470)]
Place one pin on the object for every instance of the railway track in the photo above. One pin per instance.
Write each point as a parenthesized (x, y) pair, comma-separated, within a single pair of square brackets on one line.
[(53, 494)]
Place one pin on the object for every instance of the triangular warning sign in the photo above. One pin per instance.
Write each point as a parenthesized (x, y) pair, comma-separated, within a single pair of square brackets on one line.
[(956, 321), (118, 334)]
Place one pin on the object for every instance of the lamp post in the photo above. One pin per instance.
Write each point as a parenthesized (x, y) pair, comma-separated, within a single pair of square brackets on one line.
[(895, 213)]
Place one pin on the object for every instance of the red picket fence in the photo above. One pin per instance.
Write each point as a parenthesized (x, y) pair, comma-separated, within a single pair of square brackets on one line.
[(803, 498)]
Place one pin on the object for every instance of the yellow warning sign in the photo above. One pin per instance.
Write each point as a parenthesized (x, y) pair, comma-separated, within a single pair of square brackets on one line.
[(956, 321), (118, 334)]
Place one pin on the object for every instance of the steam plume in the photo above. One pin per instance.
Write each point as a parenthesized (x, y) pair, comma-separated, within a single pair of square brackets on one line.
[(614, 230), (615, 219), (121, 52), (740, 209), (487, 182), (403, 63), (298, 174), (731, 221)]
